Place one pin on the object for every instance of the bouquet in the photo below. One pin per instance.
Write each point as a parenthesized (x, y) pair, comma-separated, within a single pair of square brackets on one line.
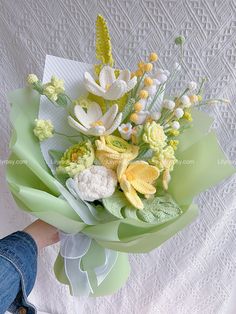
[(111, 160)]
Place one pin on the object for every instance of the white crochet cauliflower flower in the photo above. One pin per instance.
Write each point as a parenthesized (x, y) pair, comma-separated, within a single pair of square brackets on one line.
[(95, 183)]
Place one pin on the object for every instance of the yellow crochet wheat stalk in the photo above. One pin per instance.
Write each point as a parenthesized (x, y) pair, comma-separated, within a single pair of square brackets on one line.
[(103, 44)]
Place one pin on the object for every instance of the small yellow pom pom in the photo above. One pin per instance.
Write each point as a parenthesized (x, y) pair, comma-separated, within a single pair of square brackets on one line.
[(187, 115), (134, 117), (143, 94), (199, 98), (153, 57), (148, 81), (139, 73), (148, 67), (138, 107), (174, 144), (174, 132), (141, 65), (193, 98), (149, 119)]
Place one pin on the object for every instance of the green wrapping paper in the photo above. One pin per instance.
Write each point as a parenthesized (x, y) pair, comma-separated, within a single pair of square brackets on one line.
[(34, 190)]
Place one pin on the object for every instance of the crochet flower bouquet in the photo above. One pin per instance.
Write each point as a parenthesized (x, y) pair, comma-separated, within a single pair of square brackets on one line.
[(111, 160)]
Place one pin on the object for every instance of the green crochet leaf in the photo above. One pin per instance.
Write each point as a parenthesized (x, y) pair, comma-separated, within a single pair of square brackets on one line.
[(156, 210), (128, 108), (159, 210), (56, 156), (115, 203)]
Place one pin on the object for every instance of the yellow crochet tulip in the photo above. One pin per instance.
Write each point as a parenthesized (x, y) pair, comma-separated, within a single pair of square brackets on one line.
[(111, 150), (136, 177)]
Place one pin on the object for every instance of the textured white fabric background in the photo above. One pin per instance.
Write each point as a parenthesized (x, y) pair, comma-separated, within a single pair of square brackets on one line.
[(194, 272)]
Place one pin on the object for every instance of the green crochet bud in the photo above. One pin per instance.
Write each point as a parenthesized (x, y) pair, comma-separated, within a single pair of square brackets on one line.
[(43, 129), (180, 40), (32, 78), (53, 88)]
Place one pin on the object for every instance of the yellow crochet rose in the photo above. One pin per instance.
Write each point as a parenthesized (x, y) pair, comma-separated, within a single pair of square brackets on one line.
[(111, 150), (76, 158), (154, 135), (165, 159)]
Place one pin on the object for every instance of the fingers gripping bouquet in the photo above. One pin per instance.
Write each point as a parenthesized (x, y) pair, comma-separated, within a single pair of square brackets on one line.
[(111, 160)]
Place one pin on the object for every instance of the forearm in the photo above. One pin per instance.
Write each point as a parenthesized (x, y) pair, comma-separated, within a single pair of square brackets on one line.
[(42, 233)]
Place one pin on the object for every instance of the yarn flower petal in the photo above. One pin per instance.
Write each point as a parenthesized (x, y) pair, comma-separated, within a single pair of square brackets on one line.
[(133, 198), (142, 170), (137, 177), (107, 77), (111, 150), (143, 187), (116, 90), (109, 87), (92, 86), (93, 122), (125, 76)]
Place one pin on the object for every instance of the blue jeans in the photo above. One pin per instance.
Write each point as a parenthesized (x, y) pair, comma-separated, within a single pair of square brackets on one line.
[(18, 268)]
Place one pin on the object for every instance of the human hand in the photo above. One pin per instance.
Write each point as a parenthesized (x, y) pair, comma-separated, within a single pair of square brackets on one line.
[(43, 233)]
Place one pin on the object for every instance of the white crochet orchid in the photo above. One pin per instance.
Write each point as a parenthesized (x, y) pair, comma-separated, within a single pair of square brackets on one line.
[(110, 87), (93, 122)]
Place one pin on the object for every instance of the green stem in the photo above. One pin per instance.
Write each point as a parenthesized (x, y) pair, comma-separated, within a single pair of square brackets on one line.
[(143, 150), (138, 84), (181, 53), (200, 105), (201, 85), (158, 93), (184, 92), (220, 100), (68, 97), (169, 81), (173, 75)]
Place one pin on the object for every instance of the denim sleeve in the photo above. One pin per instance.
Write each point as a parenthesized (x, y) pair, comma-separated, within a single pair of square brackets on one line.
[(18, 268)]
